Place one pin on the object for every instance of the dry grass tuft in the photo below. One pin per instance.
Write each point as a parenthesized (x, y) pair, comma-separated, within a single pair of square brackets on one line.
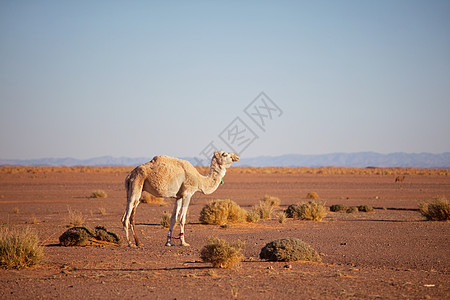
[(165, 220), (437, 210), (313, 211), (221, 253), (253, 216), (98, 194), (282, 217), (266, 206), (19, 248), (16, 210), (289, 249), (312, 195), (76, 218), (221, 212)]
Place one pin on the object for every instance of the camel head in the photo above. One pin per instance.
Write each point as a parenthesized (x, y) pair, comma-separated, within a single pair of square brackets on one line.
[(224, 158)]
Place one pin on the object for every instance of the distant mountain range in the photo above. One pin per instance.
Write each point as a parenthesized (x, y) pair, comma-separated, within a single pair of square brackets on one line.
[(358, 160)]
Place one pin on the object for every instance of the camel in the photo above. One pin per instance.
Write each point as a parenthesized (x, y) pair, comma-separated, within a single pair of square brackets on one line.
[(399, 178), (170, 177)]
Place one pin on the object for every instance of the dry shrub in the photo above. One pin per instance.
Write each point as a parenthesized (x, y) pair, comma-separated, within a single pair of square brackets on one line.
[(165, 220), (19, 248), (220, 212), (282, 217), (253, 216), (272, 201), (102, 211), (312, 195), (149, 198), (352, 210), (365, 208), (83, 236), (313, 211), (266, 206), (221, 253), (76, 218), (338, 207), (98, 194), (437, 210), (289, 249), (16, 210)]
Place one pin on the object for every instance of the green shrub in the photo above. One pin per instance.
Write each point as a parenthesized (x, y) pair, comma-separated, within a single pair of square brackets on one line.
[(437, 210), (365, 208), (19, 248), (220, 212), (289, 249), (221, 253), (314, 211)]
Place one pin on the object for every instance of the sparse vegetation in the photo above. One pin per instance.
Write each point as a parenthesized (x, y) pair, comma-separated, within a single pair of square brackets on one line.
[(76, 218), (98, 194), (16, 210), (313, 211), (289, 249), (352, 210), (220, 212), (365, 208), (165, 220), (266, 206), (282, 217), (82, 236), (437, 210), (312, 195), (338, 208), (253, 216), (221, 253), (102, 211), (19, 248)]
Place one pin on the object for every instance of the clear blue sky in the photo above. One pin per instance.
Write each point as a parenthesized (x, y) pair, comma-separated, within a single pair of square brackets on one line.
[(140, 78)]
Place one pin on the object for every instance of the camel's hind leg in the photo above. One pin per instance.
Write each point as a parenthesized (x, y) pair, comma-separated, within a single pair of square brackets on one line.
[(133, 196)]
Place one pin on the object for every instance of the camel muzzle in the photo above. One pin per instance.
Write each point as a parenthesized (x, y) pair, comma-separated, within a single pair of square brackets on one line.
[(234, 157)]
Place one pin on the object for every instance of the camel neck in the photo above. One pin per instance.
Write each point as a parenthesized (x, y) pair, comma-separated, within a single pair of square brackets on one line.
[(214, 178)]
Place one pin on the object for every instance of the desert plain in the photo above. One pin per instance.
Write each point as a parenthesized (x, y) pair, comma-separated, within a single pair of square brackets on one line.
[(390, 253)]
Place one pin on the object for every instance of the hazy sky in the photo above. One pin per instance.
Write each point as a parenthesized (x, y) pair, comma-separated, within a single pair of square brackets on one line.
[(140, 78)]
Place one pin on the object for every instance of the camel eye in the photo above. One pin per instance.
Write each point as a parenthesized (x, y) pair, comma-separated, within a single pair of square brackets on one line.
[(224, 154)]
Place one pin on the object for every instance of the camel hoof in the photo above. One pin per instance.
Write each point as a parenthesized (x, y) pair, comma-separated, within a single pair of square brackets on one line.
[(169, 244), (185, 244)]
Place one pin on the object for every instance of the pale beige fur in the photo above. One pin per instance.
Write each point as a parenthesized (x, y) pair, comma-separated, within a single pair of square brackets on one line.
[(170, 177)]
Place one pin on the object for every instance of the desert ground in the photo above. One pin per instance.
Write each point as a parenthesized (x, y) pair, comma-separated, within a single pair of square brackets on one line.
[(390, 253)]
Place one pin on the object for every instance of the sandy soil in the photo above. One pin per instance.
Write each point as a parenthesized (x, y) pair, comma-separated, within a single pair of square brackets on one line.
[(390, 253)]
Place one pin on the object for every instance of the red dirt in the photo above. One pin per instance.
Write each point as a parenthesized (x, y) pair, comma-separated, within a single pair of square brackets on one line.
[(389, 253)]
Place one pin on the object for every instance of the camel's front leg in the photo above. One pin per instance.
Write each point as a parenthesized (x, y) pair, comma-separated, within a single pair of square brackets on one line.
[(173, 220), (186, 201)]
